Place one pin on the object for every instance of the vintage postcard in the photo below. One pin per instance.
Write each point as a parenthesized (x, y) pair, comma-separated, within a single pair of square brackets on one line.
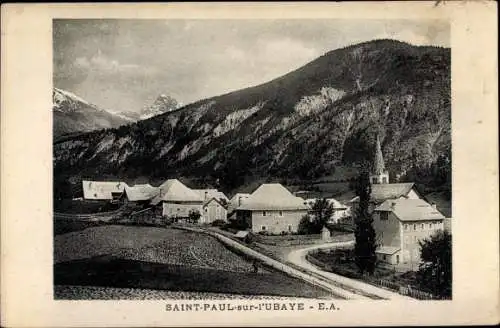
[(249, 164)]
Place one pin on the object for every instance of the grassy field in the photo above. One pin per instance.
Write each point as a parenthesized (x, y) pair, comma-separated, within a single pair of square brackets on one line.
[(111, 293), (163, 259)]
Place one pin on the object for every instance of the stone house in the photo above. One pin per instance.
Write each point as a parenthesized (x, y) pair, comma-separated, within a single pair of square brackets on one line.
[(213, 210), (177, 200), (399, 226), (271, 208), (103, 190)]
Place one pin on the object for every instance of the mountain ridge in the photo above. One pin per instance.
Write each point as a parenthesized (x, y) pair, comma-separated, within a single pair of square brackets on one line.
[(298, 126), (72, 114)]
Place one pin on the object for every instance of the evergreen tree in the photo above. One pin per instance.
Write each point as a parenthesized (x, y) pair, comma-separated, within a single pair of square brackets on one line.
[(365, 246), (435, 271), (322, 211)]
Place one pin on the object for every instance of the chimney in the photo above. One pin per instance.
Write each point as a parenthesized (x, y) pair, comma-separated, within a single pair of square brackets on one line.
[(393, 204), (206, 195), (239, 200)]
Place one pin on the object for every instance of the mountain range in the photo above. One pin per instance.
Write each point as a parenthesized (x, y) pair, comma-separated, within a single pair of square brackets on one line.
[(301, 126), (72, 114)]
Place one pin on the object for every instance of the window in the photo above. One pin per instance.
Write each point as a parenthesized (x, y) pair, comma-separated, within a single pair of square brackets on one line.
[(264, 213), (384, 180), (384, 216), (385, 257), (406, 227), (374, 180), (289, 228), (263, 228), (281, 213), (414, 227), (430, 226), (422, 227)]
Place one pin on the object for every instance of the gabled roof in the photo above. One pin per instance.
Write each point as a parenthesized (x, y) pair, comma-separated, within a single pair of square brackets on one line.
[(213, 199), (101, 189), (240, 194), (411, 210), (211, 193), (381, 192), (384, 191), (389, 250), (174, 190), (272, 196), (241, 234), (141, 192), (234, 200)]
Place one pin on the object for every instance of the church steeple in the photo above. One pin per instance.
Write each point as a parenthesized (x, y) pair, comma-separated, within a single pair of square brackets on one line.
[(379, 174), (378, 163)]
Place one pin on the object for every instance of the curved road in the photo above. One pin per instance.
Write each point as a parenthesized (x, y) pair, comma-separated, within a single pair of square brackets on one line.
[(298, 258)]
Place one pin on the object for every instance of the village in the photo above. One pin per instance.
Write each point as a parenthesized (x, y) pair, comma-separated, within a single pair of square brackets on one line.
[(280, 221)]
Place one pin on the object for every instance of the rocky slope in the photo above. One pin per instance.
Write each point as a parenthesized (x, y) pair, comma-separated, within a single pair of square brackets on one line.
[(73, 114), (162, 104), (298, 126)]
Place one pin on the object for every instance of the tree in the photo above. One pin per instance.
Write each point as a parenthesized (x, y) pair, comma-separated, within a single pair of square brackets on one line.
[(435, 271), (194, 216), (322, 211), (305, 225), (365, 246)]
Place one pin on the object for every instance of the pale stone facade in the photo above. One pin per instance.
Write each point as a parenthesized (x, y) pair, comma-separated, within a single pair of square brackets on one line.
[(180, 210), (275, 221), (213, 211), (398, 239)]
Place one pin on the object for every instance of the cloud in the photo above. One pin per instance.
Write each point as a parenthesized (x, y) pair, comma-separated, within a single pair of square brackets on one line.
[(406, 36), (101, 63), (288, 50)]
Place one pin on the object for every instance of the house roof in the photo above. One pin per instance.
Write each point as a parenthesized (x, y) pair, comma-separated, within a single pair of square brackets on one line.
[(336, 204), (211, 193), (272, 196), (101, 189), (234, 200), (389, 250), (217, 200), (235, 197), (411, 209), (141, 192), (384, 191), (241, 234), (174, 190)]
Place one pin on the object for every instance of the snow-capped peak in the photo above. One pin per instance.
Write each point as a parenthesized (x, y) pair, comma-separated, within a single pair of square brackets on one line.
[(161, 105)]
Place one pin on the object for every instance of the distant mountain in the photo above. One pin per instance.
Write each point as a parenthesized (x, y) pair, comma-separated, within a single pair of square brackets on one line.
[(162, 104), (299, 126), (73, 114)]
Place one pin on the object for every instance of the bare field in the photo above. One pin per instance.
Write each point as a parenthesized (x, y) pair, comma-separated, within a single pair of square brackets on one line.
[(152, 258)]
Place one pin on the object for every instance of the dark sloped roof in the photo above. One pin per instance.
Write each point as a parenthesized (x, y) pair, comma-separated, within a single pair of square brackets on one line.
[(411, 210), (272, 196), (381, 192)]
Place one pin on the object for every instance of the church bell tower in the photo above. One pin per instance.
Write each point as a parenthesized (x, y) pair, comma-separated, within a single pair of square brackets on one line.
[(379, 174)]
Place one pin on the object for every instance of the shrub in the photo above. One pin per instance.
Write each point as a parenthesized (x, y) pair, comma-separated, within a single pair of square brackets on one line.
[(305, 226), (218, 223)]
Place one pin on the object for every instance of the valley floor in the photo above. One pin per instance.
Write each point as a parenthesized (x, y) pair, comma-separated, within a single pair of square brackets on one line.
[(137, 260)]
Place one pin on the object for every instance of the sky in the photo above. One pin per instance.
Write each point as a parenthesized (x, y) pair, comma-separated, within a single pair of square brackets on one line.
[(124, 65)]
